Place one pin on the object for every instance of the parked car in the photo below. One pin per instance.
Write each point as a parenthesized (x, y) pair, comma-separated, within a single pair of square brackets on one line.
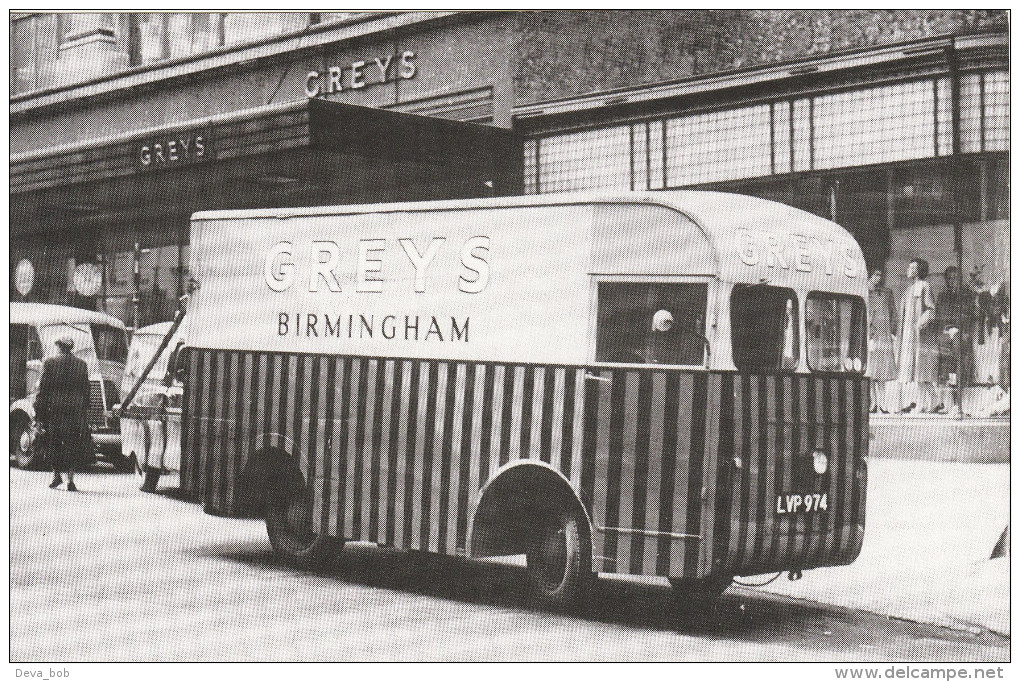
[(151, 423), (99, 339)]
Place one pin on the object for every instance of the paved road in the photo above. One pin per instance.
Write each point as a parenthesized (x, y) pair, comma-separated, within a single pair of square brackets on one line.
[(112, 574)]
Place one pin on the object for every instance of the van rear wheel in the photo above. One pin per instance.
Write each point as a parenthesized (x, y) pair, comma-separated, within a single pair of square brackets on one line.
[(289, 525), (558, 571)]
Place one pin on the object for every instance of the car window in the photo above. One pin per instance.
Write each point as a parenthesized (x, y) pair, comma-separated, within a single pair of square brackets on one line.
[(111, 343), (143, 346), (78, 333)]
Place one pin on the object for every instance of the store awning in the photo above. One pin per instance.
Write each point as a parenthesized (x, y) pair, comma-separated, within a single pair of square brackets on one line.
[(311, 152)]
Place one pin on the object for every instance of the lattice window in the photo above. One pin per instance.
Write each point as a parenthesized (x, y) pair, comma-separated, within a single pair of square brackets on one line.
[(588, 160), (719, 145), (888, 123), (996, 111)]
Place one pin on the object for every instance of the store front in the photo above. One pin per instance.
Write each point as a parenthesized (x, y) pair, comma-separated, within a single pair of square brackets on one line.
[(907, 148), (105, 226)]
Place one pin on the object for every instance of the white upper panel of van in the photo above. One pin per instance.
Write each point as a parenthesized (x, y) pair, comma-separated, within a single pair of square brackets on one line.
[(489, 279), (734, 237)]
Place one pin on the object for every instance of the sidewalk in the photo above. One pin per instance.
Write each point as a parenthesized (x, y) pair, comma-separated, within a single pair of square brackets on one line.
[(931, 527)]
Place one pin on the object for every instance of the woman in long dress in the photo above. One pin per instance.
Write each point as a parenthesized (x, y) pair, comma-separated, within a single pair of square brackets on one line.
[(881, 340), (918, 352)]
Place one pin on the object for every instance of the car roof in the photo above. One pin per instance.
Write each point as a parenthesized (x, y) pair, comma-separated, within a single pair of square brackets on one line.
[(48, 313)]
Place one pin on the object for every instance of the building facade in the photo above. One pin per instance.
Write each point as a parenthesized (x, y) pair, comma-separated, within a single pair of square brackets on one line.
[(893, 123)]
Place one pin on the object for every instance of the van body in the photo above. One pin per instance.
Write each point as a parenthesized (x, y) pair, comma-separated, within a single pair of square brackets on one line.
[(99, 339), (681, 372), (151, 425)]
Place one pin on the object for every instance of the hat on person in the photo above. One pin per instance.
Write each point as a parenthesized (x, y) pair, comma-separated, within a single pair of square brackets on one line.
[(65, 342)]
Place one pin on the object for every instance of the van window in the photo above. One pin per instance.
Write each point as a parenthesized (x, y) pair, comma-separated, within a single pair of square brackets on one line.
[(649, 323), (765, 328), (111, 343), (835, 330)]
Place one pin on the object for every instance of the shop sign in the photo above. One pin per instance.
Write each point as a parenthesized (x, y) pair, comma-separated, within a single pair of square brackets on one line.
[(360, 74), (170, 151), (24, 276)]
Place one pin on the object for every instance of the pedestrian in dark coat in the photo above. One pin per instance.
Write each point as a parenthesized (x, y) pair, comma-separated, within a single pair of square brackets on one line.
[(61, 408)]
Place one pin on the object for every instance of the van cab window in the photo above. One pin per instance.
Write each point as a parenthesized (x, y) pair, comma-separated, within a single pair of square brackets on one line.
[(765, 328), (835, 327), (651, 323)]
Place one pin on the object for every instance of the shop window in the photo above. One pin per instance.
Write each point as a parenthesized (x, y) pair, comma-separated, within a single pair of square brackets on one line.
[(646, 323), (23, 55), (801, 135), (531, 167), (639, 164), (764, 327), (835, 327), (781, 162), (248, 27), (936, 193), (996, 112), (888, 123), (719, 145), (656, 163), (861, 205), (970, 113), (167, 35), (588, 160), (944, 116)]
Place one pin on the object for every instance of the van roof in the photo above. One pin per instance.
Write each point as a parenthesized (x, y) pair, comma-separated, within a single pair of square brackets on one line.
[(48, 313)]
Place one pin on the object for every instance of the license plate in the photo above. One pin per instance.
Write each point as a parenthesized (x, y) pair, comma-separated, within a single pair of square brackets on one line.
[(806, 503)]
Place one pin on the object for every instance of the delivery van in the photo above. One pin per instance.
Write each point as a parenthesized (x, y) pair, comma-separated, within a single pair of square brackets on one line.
[(661, 384)]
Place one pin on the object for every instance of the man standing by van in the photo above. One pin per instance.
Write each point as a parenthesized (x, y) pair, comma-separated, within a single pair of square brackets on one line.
[(61, 407)]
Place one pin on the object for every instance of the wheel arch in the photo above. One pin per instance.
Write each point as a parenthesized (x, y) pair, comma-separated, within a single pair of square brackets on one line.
[(23, 406), (509, 502), (273, 457)]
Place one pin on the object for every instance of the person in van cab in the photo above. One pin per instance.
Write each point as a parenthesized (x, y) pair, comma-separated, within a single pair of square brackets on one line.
[(62, 410)]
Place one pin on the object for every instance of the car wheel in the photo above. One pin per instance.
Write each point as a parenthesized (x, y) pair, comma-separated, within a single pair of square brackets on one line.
[(289, 525), (26, 456), (559, 572)]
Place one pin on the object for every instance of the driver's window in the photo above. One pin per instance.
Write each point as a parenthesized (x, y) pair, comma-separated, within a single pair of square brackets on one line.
[(651, 323)]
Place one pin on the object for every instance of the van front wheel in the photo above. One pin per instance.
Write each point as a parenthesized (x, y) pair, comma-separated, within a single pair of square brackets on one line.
[(289, 524), (558, 572)]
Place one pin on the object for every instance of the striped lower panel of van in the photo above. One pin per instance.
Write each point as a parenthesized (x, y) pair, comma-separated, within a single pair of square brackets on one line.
[(680, 470)]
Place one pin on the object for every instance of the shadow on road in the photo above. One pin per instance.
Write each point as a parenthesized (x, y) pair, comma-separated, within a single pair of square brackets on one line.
[(739, 614)]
